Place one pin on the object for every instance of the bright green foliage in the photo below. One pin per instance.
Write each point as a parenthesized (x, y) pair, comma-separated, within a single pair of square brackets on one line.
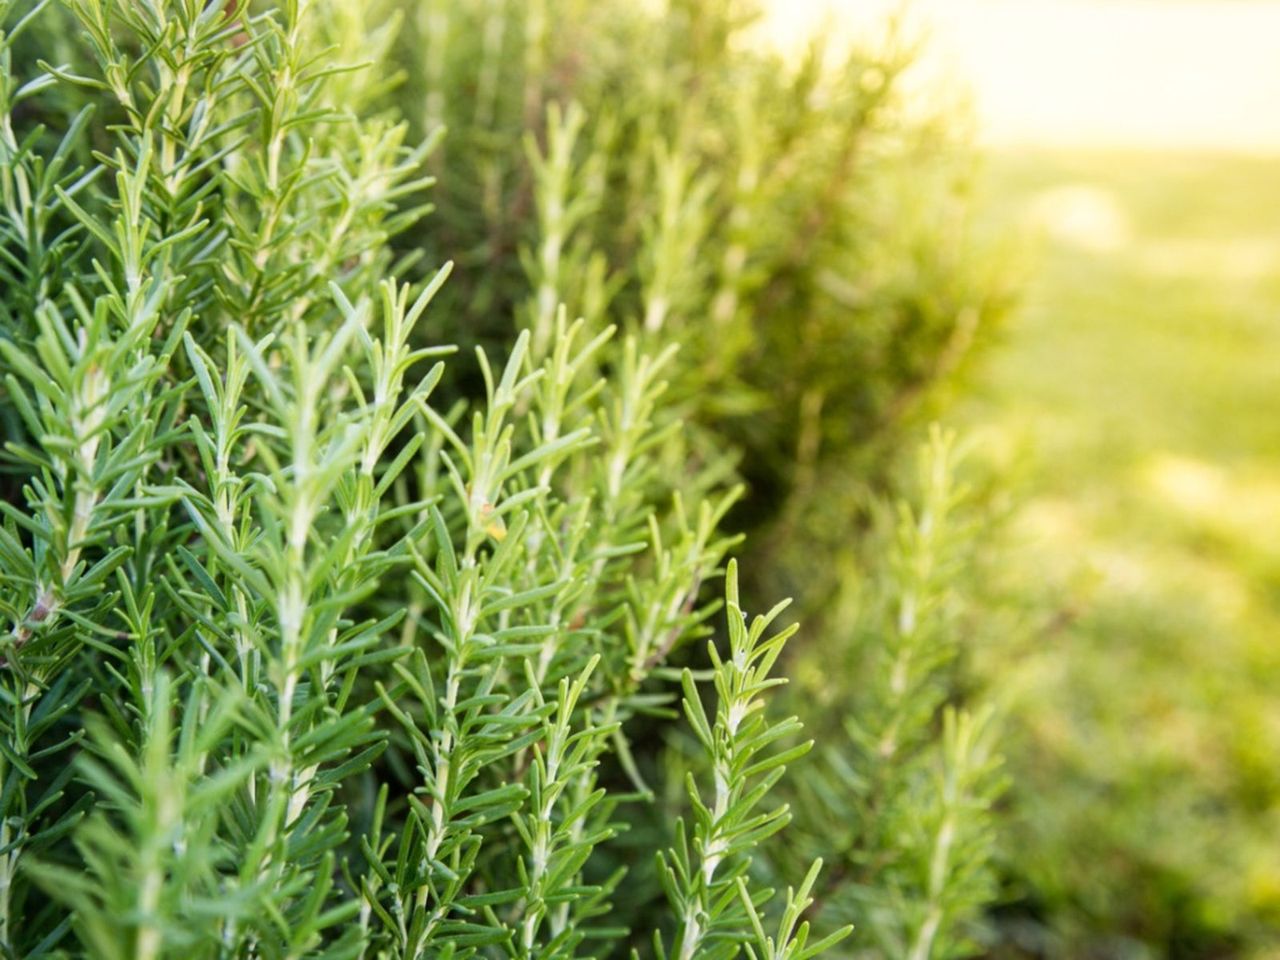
[(900, 803), (807, 248), (299, 661), (706, 881)]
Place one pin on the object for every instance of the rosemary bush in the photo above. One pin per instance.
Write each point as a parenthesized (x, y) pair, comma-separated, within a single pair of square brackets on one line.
[(807, 244), (321, 640), (296, 660)]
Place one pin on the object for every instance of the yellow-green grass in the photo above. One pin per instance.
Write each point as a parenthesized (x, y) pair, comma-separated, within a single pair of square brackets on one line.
[(1138, 387)]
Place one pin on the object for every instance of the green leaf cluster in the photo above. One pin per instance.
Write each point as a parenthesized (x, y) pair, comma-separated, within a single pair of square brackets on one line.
[(902, 801), (302, 654)]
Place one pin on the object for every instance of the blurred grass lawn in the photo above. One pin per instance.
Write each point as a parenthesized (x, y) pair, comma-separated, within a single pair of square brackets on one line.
[(1140, 381)]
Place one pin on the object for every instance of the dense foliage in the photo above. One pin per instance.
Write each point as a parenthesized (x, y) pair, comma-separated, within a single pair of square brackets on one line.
[(806, 243), (802, 236), (317, 643)]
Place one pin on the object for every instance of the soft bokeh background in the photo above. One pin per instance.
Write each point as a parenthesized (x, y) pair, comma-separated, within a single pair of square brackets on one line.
[(1135, 147), (1149, 74)]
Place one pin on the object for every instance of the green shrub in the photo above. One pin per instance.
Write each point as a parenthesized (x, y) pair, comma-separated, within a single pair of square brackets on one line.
[(805, 242), (317, 644), (296, 661)]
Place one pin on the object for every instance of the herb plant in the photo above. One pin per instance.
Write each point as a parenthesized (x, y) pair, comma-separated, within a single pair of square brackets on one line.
[(299, 660), (322, 637)]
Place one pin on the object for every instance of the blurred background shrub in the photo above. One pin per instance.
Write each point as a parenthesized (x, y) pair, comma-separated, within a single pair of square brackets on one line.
[(805, 242)]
